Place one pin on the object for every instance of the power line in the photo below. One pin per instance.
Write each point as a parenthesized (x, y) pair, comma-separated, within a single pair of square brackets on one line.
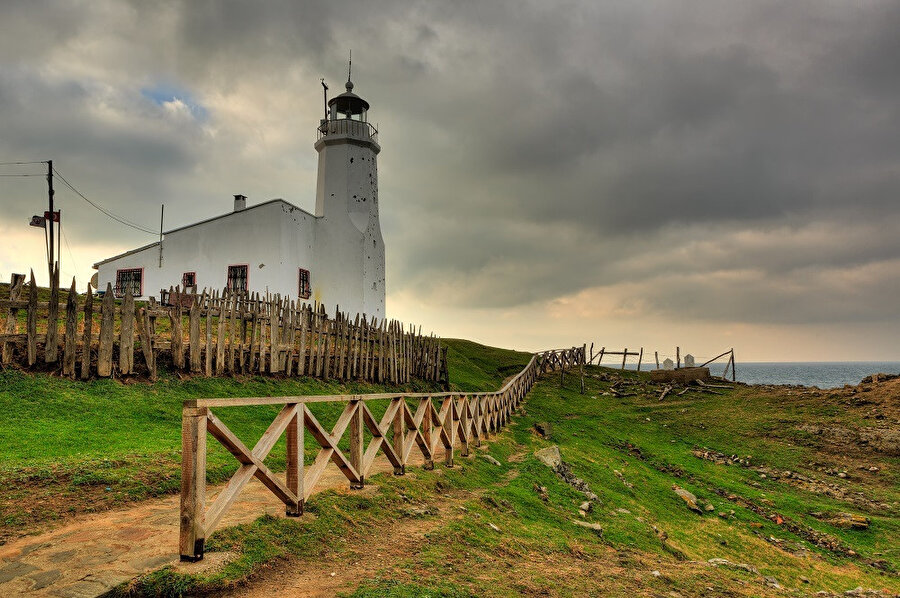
[(118, 219), (23, 175), (17, 163)]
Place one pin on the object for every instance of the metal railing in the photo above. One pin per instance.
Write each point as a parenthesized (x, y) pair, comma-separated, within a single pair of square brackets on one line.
[(347, 126)]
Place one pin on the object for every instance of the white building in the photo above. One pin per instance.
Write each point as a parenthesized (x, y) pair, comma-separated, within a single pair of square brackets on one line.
[(335, 256)]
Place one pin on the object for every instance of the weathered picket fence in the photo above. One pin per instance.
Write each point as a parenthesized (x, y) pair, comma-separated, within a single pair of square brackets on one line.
[(213, 333), (411, 420)]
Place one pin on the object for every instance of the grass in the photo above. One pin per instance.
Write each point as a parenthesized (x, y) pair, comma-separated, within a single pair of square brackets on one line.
[(88, 446), (508, 530)]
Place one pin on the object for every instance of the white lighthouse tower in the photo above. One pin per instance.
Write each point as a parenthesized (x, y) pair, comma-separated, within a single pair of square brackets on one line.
[(349, 247)]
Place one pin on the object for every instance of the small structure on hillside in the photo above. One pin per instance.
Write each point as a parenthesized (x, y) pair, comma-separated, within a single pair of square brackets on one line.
[(688, 361), (335, 256), (668, 364)]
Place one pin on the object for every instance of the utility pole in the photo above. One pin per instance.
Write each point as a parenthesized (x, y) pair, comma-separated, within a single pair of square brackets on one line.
[(52, 215), (162, 212)]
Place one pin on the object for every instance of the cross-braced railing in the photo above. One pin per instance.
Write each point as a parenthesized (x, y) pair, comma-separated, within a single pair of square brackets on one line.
[(429, 422)]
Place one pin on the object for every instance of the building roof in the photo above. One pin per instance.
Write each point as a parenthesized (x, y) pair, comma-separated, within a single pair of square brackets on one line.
[(180, 228)]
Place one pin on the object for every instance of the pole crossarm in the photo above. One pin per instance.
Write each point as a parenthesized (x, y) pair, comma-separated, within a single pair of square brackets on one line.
[(438, 420)]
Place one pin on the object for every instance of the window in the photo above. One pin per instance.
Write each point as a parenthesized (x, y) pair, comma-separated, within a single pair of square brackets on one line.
[(305, 288), (237, 278), (131, 278), (188, 279)]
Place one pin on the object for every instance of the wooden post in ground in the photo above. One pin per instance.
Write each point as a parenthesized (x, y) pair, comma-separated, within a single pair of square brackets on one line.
[(71, 341), (356, 444), (294, 441), (126, 334), (678, 356), (399, 426), (31, 326), (193, 483), (656, 356), (583, 350), (51, 343), (107, 322), (86, 337), (16, 282), (602, 350), (640, 359), (624, 357)]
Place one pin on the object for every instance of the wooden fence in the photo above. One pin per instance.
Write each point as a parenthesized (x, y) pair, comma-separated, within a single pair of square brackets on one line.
[(212, 333), (411, 420)]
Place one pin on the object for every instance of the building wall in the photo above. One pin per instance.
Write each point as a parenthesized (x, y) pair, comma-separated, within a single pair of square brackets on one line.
[(274, 240)]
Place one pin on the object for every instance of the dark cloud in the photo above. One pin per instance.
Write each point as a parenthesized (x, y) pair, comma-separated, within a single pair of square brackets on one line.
[(733, 161)]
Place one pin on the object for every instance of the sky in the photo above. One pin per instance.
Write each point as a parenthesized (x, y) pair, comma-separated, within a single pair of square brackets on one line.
[(702, 174)]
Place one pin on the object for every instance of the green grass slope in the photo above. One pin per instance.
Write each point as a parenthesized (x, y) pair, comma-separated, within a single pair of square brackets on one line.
[(86, 446), (509, 529)]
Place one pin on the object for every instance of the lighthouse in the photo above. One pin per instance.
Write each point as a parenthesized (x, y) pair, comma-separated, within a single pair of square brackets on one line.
[(349, 245)]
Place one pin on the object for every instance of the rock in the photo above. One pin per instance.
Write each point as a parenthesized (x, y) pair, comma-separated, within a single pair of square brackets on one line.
[(493, 527), (771, 582), (587, 506), (688, 498), (542, 492), (841, 475), (710, 507), (549, 456), (591, 526), (804, 579), (544, 429), (490, 460), (622, 511), (717, 562), (849, 521), (655, 573)]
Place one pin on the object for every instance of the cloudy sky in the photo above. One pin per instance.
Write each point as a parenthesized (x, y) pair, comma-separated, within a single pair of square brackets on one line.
[(704, 174)]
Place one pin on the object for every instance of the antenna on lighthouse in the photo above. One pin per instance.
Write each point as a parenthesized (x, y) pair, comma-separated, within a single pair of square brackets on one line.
[(325, 91), (350, 65)]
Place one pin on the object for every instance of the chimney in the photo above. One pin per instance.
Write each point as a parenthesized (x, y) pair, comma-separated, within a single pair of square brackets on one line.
[(240, 202)]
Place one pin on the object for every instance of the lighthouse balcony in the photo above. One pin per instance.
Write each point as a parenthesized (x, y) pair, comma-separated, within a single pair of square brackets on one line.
[(347, 127)]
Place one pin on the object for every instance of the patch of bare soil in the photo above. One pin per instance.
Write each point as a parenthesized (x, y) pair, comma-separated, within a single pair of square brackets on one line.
[(384, 546)]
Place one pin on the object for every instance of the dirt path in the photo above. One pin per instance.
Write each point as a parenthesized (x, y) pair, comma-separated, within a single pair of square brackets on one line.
[(385, 545), (88, 555)]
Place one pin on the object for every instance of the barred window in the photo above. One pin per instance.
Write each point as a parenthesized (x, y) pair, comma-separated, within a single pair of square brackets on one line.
[(237, 278), (130, 278), (188, 279)]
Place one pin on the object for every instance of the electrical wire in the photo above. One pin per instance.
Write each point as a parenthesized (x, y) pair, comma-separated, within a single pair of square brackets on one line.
[(108, 213), (17, 163), (23, 175)]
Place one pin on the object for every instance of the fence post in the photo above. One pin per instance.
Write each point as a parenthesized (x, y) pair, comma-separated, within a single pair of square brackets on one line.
[(356, 444), (400, 434), (640, 359), (193, 483), (624, 356), (294, 441)]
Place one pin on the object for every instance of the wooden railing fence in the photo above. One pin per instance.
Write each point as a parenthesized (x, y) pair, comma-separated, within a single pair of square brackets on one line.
[(212, 333), (426, 421)]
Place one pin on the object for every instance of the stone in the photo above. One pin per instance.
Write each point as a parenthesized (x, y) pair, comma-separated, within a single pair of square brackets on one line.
[(14, 570), (668, 364), (804, 579), (550, 457), (710, 507), (688, 498), (544, 429), (490, 460), (718, 562), (493, 527), (82, 589), (587, 506), (849, 521), (771, 582), (43, 579), (655, 573), (688, 361), (591, 526)]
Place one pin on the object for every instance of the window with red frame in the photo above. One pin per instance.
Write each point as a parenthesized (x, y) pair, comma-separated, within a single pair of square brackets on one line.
[(305, 286), (237, 278), (188, 279)]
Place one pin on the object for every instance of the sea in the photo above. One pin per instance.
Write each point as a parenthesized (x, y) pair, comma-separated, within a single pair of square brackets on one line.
[(823, 374)]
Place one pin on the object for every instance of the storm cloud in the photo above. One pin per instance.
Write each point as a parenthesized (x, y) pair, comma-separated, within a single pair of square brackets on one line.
[(728, 164)]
